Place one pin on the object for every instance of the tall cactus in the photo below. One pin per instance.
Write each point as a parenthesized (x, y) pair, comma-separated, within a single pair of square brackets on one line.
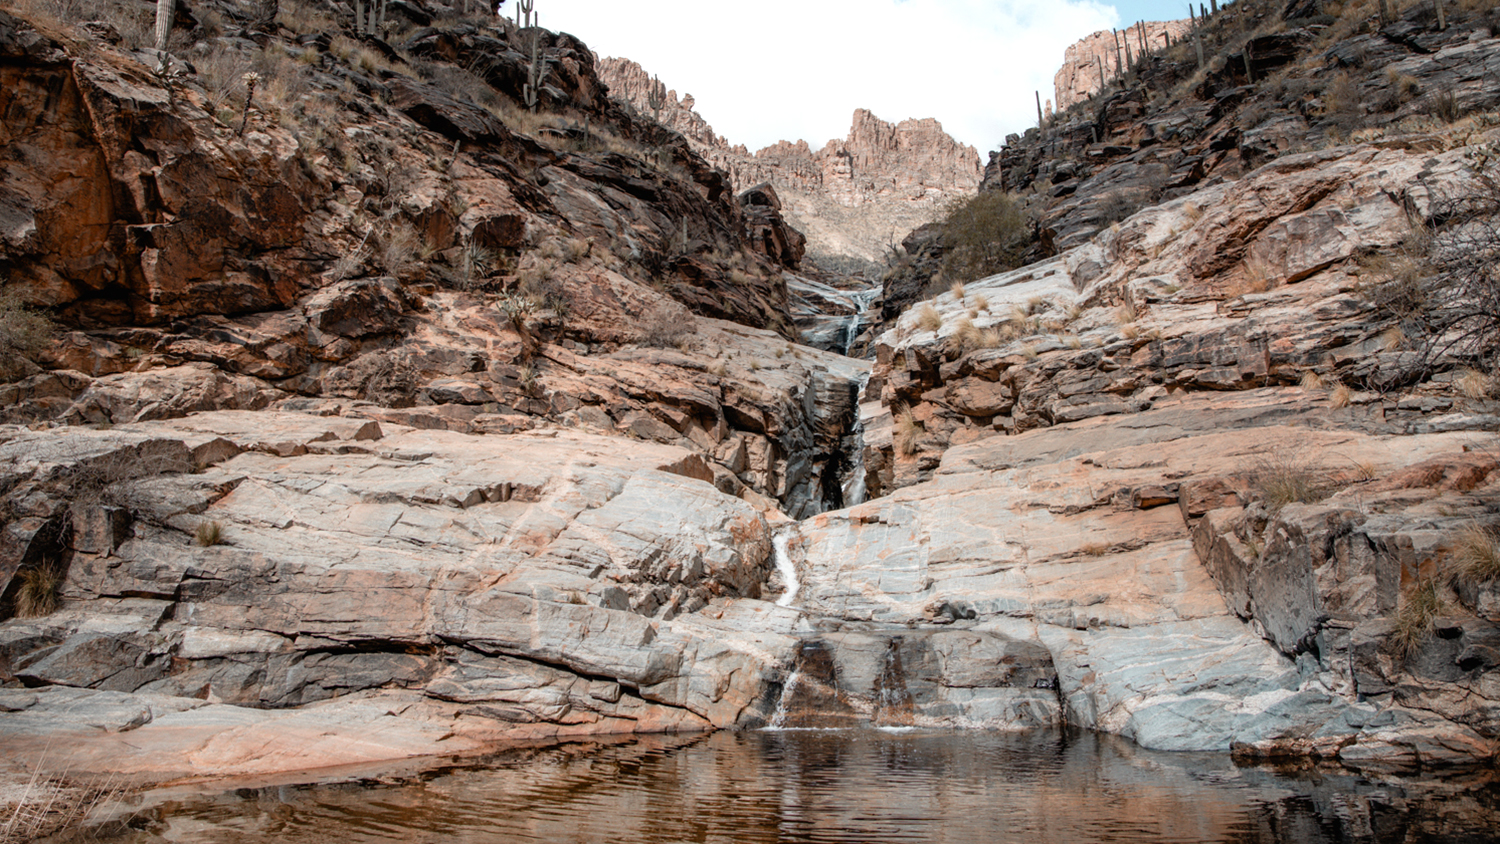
[(523, 13), (656, 97), (536, 71), (371, 23)]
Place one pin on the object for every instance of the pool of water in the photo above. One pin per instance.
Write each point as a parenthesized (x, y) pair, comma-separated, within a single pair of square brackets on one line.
[(839, 786)]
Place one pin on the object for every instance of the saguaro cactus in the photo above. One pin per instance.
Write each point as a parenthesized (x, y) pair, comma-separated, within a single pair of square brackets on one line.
[(536, 71), (656, 97), (370, 24), (523, 12)]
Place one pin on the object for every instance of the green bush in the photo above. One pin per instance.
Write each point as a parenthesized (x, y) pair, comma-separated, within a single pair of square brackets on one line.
[(985, 234)]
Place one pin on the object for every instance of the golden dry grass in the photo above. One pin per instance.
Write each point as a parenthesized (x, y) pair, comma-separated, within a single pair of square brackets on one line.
[(907, 431)]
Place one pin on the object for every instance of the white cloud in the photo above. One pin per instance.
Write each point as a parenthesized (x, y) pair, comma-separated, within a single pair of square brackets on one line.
[(768, 72)]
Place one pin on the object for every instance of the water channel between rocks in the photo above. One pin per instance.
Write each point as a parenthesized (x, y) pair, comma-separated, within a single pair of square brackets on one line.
[(837, 786)]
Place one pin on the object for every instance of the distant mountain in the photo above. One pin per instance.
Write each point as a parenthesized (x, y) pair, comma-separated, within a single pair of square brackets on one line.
[(852, 198)]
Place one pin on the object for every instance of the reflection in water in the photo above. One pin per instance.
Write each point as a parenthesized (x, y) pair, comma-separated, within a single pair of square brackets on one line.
[(847, 786)]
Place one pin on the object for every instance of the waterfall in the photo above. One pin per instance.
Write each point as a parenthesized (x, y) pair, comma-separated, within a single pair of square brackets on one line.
[(778, 718), (787, 568), (854, 450), (856, 323)]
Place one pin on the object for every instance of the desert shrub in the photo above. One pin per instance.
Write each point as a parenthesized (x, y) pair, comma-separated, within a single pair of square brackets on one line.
[(985, 234), (667, 328), (1342, 106), (112, 478), (401, 249), (1443, 284), (24, 331)]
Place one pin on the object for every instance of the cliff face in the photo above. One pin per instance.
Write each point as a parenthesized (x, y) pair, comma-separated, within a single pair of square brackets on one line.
[(853, 197), (1100, 58)]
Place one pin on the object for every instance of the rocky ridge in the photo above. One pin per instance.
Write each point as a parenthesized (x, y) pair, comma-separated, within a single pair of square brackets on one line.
[(1093, 62), (852, 198)]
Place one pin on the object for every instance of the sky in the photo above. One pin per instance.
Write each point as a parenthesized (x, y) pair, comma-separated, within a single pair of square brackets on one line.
[(763, 72)]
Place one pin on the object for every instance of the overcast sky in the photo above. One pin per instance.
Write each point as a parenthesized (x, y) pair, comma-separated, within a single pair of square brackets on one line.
[(763, 72)]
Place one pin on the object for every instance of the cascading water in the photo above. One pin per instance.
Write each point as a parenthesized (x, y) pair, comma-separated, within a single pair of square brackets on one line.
[(854, 450), (787, 568), (856, 323)]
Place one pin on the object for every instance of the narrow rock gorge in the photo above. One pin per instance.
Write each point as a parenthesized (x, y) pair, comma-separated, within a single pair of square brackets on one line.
[(410, 397)]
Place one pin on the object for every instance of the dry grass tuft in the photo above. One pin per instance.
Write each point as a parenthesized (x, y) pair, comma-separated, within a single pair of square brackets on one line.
[(967, 336), (907, 431), (1477, 554), (57, 809), (39, 592), (981, 302), (1474, 384), (929, 319), (1311, 381), (1414, 619), (1285, 478), (1392, 339), (208, 534), (1094, 549), (1340, 396), (957, 290)]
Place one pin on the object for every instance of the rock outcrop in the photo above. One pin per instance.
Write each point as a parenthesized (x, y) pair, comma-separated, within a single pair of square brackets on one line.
[(1100, 58), (852, 198), (1274, 86)]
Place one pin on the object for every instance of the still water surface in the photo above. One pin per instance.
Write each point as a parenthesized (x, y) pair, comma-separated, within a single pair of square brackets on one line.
[(844, 786)]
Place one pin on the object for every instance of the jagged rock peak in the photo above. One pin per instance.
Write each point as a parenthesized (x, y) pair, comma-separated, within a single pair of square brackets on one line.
[(630, 83), (896, 174), (1104, 52)]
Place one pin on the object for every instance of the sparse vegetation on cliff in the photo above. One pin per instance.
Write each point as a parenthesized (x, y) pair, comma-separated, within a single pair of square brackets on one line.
[(24, 331)]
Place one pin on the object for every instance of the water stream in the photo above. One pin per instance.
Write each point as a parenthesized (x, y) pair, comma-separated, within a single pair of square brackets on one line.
[(787, 568), (854, 448)]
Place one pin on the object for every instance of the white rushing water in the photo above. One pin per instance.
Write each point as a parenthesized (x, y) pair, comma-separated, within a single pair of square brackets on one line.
[(854, 480), (861, 302), (778, 718), (788, 570)]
